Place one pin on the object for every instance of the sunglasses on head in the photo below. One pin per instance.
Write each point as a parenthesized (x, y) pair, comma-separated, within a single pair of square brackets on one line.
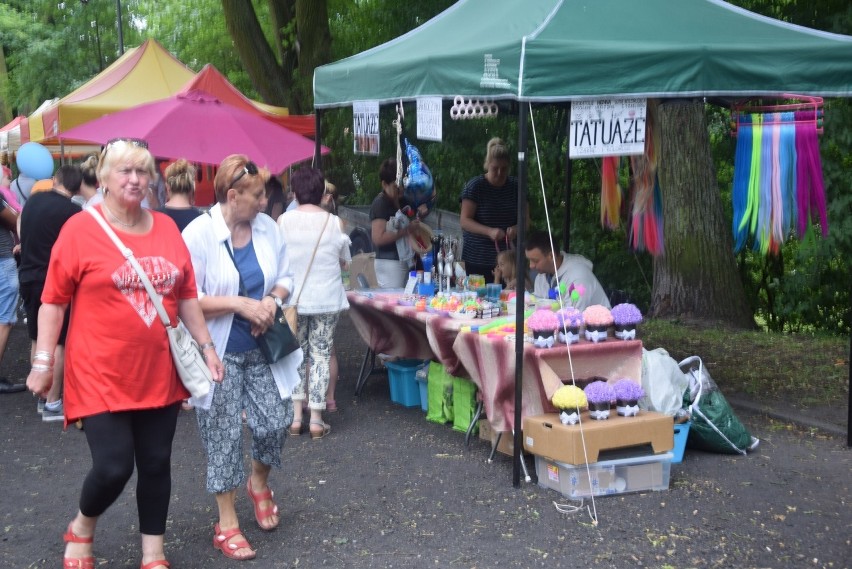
[(250, 168), (137, 142)]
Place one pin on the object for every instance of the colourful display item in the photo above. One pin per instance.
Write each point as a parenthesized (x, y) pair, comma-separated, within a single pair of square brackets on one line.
[(626, 314), (569, 398), (597, 315), (543, 320)]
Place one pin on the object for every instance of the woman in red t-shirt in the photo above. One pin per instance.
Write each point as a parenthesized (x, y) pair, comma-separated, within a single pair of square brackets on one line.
[(119, 375)]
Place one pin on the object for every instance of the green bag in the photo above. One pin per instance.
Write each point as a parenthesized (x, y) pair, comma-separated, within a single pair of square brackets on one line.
[(464, 404), (715, 427), (440, 391)]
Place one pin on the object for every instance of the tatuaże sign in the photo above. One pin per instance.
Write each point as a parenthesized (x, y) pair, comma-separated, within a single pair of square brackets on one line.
[(607, 127), (365, 125)]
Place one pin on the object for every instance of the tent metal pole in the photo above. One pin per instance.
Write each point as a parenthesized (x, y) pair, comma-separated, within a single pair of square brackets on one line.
[(569, 183), (519, 299), (317, 139)]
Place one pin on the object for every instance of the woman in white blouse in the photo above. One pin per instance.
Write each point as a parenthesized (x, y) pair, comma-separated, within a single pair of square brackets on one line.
[(318, 249)]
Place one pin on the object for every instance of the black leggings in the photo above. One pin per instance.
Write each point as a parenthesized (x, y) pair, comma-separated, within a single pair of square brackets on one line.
[(115, 441)]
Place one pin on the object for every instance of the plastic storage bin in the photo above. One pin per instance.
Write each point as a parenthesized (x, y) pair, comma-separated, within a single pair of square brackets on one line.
[(607, 477), (403, 384), (681, 433), (422, 377)]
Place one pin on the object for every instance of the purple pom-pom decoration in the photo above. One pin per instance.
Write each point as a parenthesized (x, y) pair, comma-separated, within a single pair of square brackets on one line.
[(570, 317), (626, 314), (599, 392), (627, 390)]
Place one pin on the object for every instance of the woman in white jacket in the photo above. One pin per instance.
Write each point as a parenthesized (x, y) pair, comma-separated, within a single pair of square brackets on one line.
[(242, 273)]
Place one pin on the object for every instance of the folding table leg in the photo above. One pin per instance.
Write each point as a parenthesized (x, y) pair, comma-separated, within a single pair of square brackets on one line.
[(370, 356), (473, 423), (494, 446)]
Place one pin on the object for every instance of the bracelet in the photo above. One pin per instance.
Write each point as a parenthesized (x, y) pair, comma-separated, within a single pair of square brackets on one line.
[(207, 345), (41, 367), (43, 355)]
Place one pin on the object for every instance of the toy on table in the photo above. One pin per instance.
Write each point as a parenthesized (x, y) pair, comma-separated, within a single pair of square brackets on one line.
[(598, 319), (569, 400), (543, 324), (600, 395), (626, 317), (570, 321), (627, 396)]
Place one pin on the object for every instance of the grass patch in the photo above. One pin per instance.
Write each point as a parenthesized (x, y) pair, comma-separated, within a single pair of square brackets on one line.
[(813, 370)]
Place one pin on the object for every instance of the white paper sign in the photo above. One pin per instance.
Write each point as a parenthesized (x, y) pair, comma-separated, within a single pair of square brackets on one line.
[(365, 125), (607, 127), (429, 125)]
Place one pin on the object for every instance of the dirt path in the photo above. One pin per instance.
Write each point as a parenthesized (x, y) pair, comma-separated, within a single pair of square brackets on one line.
[(389, 489)]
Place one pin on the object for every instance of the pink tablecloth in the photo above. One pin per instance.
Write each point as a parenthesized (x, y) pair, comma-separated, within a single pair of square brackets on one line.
[(491, 365), (388, 328)]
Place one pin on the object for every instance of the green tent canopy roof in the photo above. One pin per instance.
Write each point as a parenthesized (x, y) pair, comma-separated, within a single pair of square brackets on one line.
[(560, 50)]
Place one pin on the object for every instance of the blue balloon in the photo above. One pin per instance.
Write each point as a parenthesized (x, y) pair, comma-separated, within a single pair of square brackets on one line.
[(35, 161), (418, 182)]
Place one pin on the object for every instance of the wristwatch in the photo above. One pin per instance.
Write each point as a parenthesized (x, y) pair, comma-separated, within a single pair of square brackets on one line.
[(278, 302)]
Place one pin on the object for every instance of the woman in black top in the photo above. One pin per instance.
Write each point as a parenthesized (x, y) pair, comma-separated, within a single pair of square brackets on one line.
[(390, 271), (180, 190), (489, 212)]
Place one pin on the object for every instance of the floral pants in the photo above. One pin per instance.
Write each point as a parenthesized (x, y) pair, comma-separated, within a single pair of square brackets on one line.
[(316, 335), (248, 386)]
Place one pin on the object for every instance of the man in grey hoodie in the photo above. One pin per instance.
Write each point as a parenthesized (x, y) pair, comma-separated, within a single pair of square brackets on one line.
[(571, 270)]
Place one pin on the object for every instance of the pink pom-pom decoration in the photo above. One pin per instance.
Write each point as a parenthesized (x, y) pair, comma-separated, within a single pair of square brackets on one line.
[(626, 314), (597, 315), (544, 320)]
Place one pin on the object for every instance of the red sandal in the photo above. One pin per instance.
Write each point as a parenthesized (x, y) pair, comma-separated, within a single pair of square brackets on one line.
[(77, 562), (222, 542), (265, 513), (157, 563)]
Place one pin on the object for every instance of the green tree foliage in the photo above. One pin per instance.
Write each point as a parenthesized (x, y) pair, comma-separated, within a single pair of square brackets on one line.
[(52, 47)]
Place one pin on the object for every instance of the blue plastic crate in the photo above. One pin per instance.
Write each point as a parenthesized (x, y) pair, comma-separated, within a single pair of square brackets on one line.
[(403, 383), (681, 433)]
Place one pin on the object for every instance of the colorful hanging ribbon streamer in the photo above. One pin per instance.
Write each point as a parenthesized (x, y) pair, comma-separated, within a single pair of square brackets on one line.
[(778, 185)]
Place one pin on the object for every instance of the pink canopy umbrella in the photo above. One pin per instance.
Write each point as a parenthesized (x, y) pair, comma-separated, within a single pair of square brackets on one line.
[(200, 128)]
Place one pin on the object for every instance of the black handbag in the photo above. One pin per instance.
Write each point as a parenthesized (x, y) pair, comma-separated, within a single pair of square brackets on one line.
[(279, 340)]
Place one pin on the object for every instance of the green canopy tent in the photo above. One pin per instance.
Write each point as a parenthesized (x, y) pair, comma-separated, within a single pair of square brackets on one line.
[(562, 50), (547, 51)]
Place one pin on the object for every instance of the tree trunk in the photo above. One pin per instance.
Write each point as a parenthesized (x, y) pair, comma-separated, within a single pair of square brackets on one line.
[(696, 277), (5, 112), (255, 52)]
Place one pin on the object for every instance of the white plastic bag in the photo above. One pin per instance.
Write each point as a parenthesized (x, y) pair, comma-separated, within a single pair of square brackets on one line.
[(663, 381)]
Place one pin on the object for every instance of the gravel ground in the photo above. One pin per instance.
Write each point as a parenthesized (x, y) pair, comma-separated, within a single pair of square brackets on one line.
[(389, 489)]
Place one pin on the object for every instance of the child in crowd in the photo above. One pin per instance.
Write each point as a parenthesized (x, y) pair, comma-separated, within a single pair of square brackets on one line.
[(504, 272)]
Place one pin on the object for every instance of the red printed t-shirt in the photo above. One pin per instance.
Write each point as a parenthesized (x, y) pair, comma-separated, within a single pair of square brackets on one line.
[(117, 352)]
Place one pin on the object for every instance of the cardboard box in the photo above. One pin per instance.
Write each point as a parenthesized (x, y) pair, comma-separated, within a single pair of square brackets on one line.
[(619, 476), (363, 264), (546, 436)]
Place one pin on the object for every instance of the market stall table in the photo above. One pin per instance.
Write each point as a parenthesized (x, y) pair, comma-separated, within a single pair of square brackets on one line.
[(490, 362), (402, 331)]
